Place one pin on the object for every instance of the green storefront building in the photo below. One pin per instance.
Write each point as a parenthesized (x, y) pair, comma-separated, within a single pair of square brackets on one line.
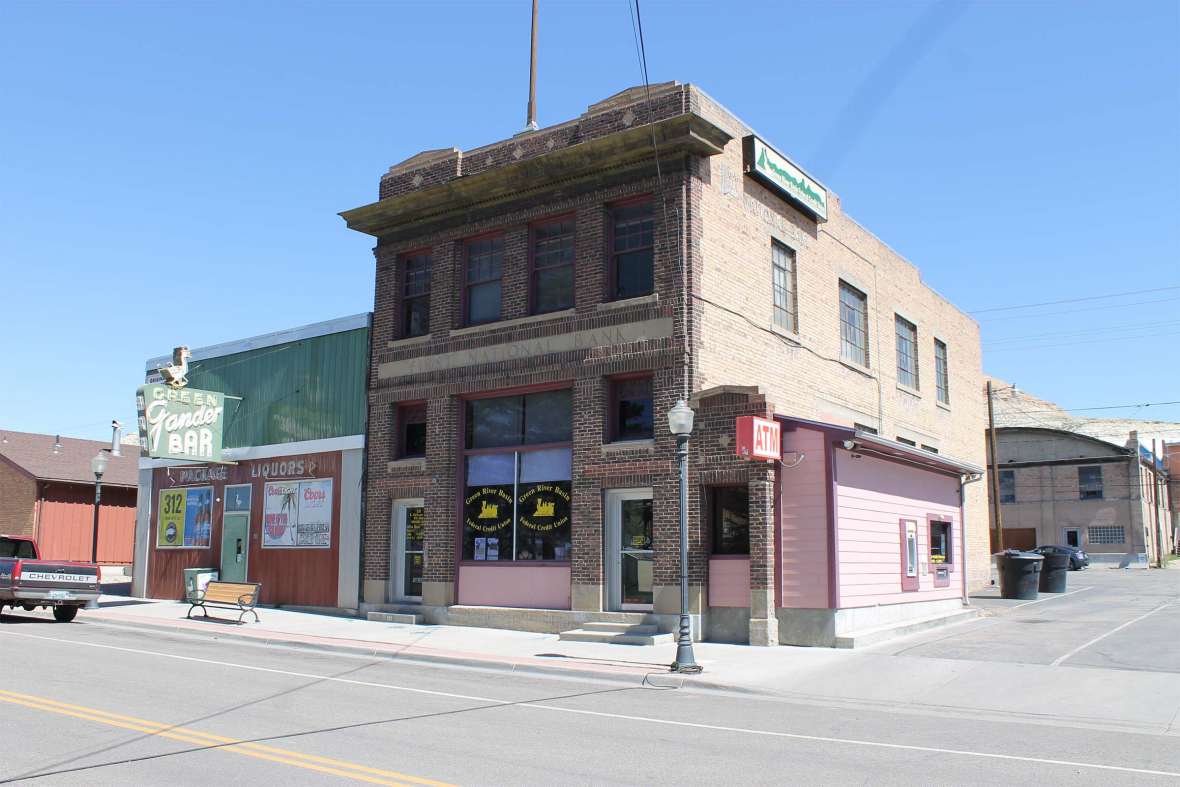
[(279, 499)]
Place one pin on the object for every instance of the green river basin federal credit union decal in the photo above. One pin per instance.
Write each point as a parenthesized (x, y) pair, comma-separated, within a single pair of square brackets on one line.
[(776, 171), (183, 423)]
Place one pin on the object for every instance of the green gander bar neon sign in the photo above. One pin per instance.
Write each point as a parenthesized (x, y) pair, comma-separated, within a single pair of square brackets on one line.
[(778, 173), (180, 423)]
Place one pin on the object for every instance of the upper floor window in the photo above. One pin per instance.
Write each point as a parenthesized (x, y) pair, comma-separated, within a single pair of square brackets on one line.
[(632, 415), (553, 266), (1090, 482), (1007, 486), (941, 374), (854, 325), (632, 250), (786, 307), (531, 419), (411, 431), (907, 441), (484, 262), (415, 295), (907, 351)]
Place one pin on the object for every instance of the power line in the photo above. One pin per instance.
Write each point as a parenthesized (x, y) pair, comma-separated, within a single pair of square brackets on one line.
[(1078, 311), (1073, 300), (1084, 341), (1103, 407), (1084, 331)]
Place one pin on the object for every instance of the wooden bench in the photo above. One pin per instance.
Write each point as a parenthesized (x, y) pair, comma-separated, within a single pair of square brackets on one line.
[(242, 596)]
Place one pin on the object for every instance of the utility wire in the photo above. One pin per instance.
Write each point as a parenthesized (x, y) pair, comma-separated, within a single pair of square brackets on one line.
[(1076, 311), (1084, 332), (1164, 335), (1072, 300), (1103, 407)]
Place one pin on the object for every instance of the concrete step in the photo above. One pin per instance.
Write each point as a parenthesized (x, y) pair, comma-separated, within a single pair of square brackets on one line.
[(642, 629), (859, 639), (615, 638), (395, 617)]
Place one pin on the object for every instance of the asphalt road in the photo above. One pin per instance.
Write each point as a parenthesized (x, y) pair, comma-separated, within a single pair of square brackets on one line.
[(1108, 618), (98, 704)]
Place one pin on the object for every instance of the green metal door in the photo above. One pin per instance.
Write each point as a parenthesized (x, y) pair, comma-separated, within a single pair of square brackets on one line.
[(235, 546)]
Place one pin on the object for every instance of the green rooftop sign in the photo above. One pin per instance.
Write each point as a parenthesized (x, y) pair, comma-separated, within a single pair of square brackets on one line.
[(778, 173), (180, 423)]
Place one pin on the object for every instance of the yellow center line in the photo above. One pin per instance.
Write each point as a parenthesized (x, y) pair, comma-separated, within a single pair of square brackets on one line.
[(260, 751)]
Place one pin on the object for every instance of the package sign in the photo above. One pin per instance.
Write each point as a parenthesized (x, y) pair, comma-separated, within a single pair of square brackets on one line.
[(184, 518), (545, 506), (297, 514), (758, 438), (777, 172), (180, 423)]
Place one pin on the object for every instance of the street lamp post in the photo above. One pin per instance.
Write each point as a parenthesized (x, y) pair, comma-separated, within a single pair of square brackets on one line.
[(680, 424), (98, 466)]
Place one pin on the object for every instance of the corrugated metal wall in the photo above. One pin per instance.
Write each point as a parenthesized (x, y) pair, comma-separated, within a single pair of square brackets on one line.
[(309, 389), (65, 527)]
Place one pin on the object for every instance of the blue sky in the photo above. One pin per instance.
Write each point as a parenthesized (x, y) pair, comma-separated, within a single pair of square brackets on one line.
[(170, 173)]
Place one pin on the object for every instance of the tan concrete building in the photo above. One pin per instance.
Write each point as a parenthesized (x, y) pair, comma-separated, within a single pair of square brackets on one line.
[(1060, 487)]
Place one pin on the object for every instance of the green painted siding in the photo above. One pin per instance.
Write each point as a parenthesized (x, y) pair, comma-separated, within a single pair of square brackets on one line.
[(309, 389)]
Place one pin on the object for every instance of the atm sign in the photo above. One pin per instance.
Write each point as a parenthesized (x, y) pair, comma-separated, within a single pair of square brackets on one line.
[(758, 438)]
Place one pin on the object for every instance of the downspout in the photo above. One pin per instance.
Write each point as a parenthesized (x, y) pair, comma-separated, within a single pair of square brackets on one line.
[(963, 481)]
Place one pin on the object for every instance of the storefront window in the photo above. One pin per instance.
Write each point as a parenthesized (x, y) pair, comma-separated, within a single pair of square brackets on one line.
[(516, 503), (731, 520), (632, 416)]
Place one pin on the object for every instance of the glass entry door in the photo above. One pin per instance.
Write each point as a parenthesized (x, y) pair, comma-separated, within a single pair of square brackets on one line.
[(408, 553), (631, 558)]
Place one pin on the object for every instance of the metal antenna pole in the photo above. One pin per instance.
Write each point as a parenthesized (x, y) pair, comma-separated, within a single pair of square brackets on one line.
[(531, 123)]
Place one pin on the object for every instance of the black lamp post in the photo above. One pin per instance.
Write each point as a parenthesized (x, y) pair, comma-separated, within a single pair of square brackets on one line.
[(680, 420), (98, 466)]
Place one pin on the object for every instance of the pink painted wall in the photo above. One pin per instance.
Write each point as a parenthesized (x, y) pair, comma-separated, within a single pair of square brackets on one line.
[(873, 495), (515, 585), (803, 533), (729, 582)]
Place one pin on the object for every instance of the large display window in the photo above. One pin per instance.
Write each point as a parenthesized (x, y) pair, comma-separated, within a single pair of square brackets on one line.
[(517, 470)]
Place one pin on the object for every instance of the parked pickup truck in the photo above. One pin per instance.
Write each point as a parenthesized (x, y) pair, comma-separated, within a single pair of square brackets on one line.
[(27, 581)]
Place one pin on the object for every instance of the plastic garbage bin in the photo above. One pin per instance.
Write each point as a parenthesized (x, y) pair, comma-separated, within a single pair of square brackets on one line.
[(1054, 570), (1020, 573), (195, 580)]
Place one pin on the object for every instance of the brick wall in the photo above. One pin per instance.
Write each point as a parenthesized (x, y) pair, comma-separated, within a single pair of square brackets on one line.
[(801, 373), (18, 501)]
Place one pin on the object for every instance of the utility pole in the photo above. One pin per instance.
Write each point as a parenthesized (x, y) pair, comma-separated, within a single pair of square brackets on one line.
[(995, 477), (1155, 510), (531, 122)]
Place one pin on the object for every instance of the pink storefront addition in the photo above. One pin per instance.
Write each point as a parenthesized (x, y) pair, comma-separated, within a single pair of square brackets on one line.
[(515, 585), (874, 496), (729, 581)]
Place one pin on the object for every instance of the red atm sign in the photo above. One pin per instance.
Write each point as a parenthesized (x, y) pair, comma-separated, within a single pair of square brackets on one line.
[(758, 438)]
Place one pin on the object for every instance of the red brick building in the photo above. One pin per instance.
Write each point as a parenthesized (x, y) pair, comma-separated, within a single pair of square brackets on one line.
[(540, 305), (47, 492)]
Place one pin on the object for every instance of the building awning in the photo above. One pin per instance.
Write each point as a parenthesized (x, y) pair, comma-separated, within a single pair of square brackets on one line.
[(877, 445)]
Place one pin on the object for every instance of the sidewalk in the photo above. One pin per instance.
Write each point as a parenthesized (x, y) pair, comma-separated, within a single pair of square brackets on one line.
[(879, 677)]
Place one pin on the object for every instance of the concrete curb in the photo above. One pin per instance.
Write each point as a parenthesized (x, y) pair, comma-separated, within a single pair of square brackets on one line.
[(408, 654)]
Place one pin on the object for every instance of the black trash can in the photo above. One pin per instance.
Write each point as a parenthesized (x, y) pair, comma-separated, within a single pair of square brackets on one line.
[(1054, 570), (1020, 573)]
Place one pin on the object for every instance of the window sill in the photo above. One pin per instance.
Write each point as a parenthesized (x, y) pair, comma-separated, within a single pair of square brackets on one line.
[(409, 342), (411, 463), (905, 389), (791, 336), (621, 446), (625, 302), (942, 405), (491, 326), (863, 370)]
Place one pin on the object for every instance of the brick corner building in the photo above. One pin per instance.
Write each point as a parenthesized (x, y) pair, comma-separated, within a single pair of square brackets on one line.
[(543, 301)]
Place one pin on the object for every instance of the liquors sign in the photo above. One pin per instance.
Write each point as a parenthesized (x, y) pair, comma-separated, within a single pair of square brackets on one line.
[(776, 171), (180, 423)]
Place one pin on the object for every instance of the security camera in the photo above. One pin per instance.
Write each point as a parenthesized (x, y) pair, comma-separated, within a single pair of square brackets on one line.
[(849, 445)]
